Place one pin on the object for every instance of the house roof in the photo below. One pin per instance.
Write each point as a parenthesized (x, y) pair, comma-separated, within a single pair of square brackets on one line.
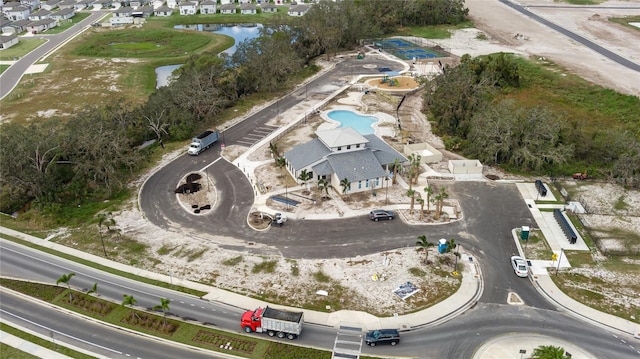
[(19, 8), (307, 153), (208, 2), (187, 3), (247, 6), (383, 152), (299, 8), (7, 38), (356, 165), (228, 7), (336, 137), (164, 8), (124, 10), (41, 12), (322, 169), (63, 12), (20, 23), (42, 22)]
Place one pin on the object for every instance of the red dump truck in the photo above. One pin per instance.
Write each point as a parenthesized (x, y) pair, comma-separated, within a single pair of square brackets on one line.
[(274, 322)]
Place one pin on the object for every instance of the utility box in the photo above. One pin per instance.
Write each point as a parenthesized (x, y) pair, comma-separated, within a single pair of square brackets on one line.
[(524, 234)]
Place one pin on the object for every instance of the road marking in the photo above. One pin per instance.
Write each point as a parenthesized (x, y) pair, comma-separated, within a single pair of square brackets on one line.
[(60, 333)]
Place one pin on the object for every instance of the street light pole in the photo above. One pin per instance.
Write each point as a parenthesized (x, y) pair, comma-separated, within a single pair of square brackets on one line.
[(386, 191)]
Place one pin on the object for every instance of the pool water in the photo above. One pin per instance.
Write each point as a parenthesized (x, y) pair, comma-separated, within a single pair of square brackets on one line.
[(360, 123)]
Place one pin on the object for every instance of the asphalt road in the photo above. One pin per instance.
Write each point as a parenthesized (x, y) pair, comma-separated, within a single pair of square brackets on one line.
[(11, 77), (458, 338), (572, 35)]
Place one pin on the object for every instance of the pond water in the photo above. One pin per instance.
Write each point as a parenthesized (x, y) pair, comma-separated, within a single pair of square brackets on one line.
[(239, 33)]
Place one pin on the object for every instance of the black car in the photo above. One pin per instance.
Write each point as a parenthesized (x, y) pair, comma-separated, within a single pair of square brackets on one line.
[(379, 214), (382, 336)]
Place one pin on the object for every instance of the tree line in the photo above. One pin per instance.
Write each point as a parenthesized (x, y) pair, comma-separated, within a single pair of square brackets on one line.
[(480, 109), (91, 155)]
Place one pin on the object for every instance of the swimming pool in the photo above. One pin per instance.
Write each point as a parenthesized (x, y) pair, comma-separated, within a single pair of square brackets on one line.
[(360, 123)]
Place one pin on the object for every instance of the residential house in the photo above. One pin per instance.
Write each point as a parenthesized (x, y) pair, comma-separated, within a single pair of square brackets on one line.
[(103, 4), (268, 8), (156, 4), (298, 10), (341, 153), (137, 3), (6, 41), (163, 11), (63, 15), (83, 4), (10, 5), (188, 8), (208, 7), (31, 4), (50, 5), (20, 25), (244, 2), (67, 4), (17, 13), (143, 11), (248, 9), (40, 15), (5, 26), (122, 16), (228, 9), (41, 26), (224, 2), (172, 3)]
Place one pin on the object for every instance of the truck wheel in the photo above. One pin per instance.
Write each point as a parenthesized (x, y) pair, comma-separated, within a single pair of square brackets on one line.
[(281, 335), (271, 333), (291, 336), (372, 344), (247, 329), (394, 343)]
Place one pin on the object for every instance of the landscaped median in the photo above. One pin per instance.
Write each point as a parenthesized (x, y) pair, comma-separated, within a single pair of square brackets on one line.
[(160, 324)]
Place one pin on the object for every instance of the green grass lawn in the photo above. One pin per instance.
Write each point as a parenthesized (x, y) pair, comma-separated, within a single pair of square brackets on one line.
[(23, 47), (64, 25), (137, 43)]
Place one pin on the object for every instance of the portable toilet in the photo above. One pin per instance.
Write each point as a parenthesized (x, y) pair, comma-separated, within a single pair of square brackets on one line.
[(442, 246), (524, 234)]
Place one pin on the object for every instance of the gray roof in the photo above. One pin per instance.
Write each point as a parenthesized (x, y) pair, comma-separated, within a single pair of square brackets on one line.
[(307, 153), (42, 22), (228, 7), (164, 8), (337, 137), (41, 12), (208, 2), (124, 10), (7, 38), (383, 152), (20, 23), (356, 165), (248, 6), (63, 12), (322, 169)]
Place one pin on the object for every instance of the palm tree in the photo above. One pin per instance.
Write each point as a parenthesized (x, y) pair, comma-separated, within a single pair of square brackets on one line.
[(102, 220), (65, 278), (421, 202), (281, 162), (443, 195), (451, 245), (164, 306), (548, 352), (273, 148), (425, 245), (346, 185), (93, 289), (322, 184), (411, 194), (410, 173), (130, 301), (396, 165), (414, 160), (305, 176), (429, 191)]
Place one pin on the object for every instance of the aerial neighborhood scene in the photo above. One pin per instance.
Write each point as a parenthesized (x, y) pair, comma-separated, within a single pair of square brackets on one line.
[(320, 179)]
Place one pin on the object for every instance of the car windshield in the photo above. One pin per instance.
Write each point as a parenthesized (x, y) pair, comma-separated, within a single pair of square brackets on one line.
[(522, 267), (376, 334)]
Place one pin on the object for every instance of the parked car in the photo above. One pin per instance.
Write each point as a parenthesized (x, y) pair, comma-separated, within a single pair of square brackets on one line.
[(520, 266), (382, 336), (379, 214)]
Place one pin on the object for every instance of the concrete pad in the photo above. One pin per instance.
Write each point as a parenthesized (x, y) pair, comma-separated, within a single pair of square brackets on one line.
[(529, 191), (36, 69), (555, 233)]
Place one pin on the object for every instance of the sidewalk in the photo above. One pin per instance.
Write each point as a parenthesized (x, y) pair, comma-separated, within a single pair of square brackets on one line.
[(540, 269)]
